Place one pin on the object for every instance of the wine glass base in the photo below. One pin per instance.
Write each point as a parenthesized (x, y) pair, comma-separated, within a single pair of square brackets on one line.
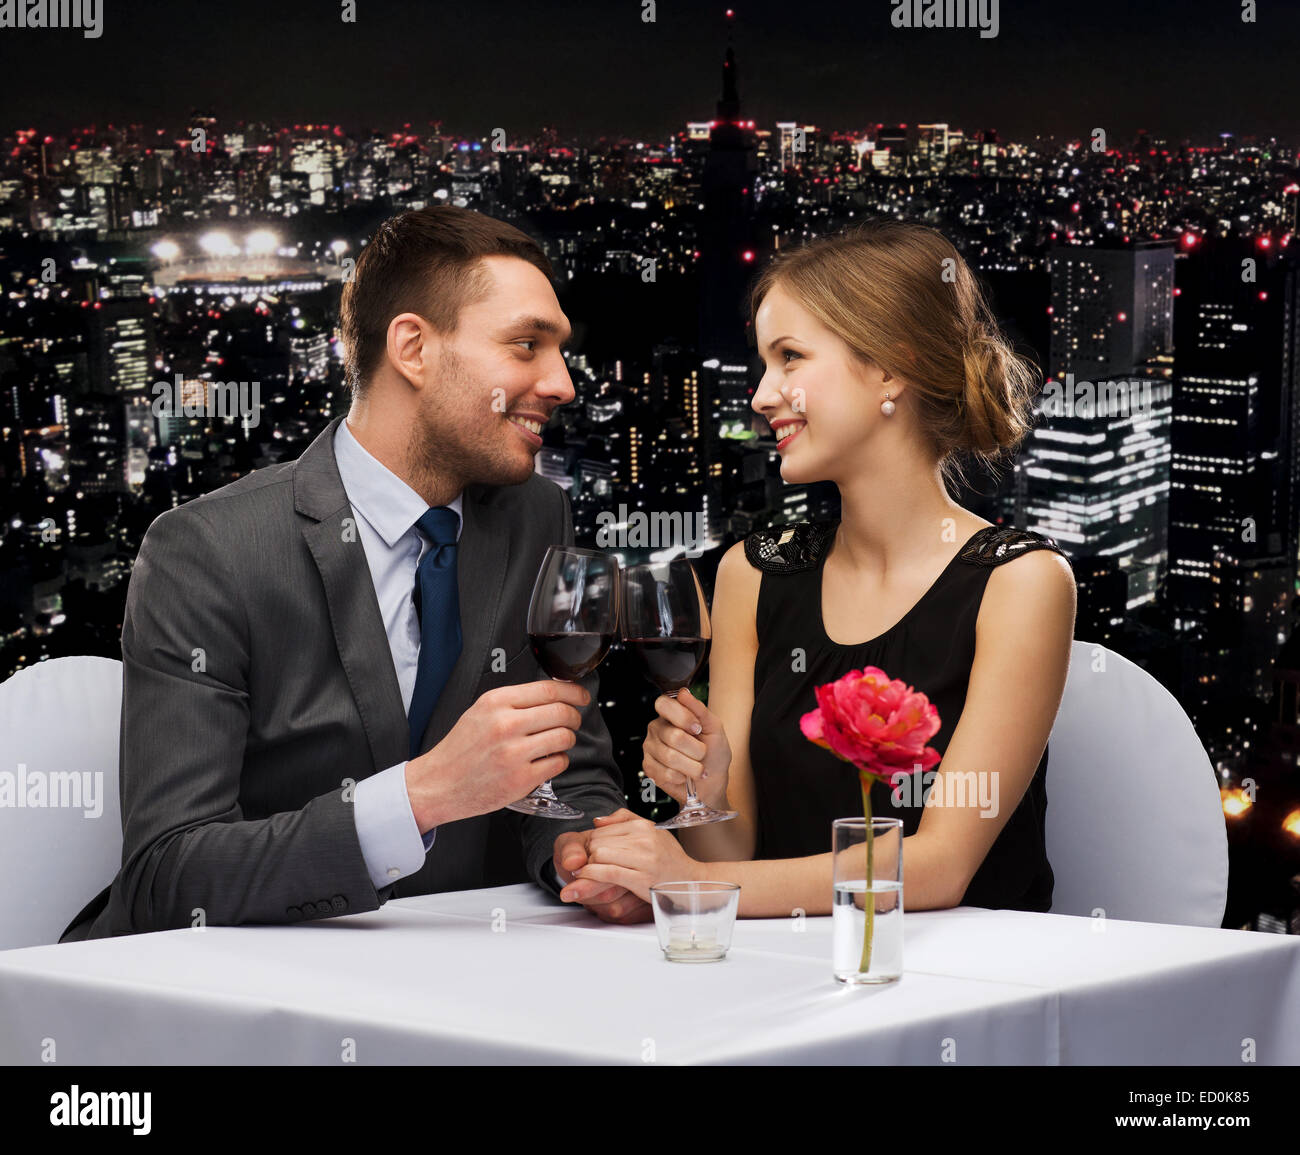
[(695, 816), (544, 808)]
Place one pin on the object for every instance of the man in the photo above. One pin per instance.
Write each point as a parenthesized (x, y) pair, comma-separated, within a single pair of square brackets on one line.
[(328, 691)]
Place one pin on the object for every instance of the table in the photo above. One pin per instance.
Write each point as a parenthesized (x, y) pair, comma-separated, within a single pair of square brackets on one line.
[(511, 975)]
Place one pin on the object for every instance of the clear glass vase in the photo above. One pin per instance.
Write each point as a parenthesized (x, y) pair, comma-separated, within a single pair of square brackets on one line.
[(867, 910)]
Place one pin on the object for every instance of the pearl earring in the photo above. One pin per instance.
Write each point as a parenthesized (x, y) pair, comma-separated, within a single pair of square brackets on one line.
[(887, 406)]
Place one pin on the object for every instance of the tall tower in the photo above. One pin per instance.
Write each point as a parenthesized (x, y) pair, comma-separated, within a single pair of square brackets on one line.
[(1097, 466), (728, 257), (1228, 398), (727, 253), (1286, 488)]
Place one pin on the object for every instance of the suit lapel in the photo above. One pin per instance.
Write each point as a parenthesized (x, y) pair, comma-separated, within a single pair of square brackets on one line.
[(331, 535), (482, 555)]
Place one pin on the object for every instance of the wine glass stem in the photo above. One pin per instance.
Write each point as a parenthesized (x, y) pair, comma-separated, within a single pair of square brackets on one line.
[(692, 799), (544, 790)]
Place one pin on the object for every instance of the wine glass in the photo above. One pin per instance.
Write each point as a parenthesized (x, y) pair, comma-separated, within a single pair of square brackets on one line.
[(666, 624), (572, 622)]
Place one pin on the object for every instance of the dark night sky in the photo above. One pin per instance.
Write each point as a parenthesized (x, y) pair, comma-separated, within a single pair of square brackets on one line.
[(1180, 68)]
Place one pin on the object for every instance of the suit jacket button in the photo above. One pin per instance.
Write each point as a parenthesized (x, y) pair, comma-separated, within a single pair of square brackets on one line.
[(339, 902), (294, 913), (308, 909)]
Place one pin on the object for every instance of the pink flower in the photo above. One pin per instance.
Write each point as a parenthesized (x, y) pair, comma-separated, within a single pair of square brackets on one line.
[(878, 724)]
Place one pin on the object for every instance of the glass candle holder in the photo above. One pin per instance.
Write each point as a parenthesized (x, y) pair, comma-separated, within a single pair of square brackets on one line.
[(695, 919)]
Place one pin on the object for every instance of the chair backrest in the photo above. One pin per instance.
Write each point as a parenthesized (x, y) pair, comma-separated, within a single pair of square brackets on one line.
[(60, 811), (1135, 824)]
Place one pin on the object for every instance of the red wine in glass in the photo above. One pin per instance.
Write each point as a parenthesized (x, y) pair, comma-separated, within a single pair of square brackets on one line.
[(570, 657), (670, 663), (572, 622), (666, 625)]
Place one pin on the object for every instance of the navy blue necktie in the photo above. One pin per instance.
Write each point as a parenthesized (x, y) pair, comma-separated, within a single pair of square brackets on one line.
[(437, 604)]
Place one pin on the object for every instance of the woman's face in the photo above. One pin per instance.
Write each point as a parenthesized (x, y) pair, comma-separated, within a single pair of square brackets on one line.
[(822, 402)]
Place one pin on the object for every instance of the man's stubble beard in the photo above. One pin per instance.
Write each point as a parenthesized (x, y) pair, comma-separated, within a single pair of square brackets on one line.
[(450, 446)]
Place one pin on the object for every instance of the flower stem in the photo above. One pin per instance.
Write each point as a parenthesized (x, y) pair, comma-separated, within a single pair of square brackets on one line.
[(869, 899)]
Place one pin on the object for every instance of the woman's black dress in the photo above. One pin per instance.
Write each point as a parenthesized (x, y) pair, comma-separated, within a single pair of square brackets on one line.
[(800, 787)]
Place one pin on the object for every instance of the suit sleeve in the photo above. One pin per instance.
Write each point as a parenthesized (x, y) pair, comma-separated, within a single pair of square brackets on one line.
[(592, 782), (188, 852)]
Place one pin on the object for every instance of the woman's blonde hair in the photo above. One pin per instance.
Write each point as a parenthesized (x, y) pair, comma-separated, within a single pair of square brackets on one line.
[(901, 297)]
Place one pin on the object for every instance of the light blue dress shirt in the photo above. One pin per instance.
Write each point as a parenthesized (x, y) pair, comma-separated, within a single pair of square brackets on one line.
[(386, 511)]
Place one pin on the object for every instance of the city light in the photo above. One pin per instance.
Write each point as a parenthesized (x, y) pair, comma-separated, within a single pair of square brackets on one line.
[(218, 244), (260, 243), (1235, 802)]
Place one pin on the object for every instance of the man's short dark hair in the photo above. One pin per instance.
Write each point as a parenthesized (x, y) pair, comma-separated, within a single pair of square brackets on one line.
[(428, 262)]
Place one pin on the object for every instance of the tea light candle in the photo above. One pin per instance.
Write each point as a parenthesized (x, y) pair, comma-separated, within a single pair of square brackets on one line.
[(684, 944)]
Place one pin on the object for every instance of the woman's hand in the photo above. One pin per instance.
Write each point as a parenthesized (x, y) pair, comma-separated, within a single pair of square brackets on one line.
[(635, 855), (608, 902), (687, 743)]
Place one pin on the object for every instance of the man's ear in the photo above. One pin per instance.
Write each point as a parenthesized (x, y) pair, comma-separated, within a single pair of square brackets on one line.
[(412, 348)]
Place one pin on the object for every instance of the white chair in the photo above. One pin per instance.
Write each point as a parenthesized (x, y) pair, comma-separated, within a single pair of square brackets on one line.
[(59, 726), (1135, 826)]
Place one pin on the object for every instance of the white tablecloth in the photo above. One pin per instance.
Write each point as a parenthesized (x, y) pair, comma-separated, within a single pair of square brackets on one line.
[(513, 976)]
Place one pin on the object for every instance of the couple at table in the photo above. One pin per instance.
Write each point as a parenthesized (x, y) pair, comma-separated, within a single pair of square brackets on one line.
[(329, 698)]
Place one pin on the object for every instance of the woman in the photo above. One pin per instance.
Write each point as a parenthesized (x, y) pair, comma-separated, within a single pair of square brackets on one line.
[(883, 368)]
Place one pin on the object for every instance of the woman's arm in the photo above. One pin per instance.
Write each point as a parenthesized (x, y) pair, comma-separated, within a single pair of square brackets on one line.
[(1022, 656), (634, 854), (777, 887)]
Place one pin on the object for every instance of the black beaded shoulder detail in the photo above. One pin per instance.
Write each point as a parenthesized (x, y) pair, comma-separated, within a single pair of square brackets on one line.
[(789, 548), (995, 544)]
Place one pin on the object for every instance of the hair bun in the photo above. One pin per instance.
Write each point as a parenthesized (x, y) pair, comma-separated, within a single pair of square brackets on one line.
[(985, 377), (976, 332)]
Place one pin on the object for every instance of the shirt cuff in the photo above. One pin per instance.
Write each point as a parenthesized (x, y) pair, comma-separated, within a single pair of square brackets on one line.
[(391, 843)]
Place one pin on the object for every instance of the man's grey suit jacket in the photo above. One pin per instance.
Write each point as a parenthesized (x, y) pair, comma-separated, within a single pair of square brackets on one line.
[(258, 685)]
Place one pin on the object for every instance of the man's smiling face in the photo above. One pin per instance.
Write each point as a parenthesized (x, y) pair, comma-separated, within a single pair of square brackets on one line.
[(499, 378)]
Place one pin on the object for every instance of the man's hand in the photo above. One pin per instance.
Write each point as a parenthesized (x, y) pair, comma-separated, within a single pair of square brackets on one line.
[(607, 901), (510, 740)]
